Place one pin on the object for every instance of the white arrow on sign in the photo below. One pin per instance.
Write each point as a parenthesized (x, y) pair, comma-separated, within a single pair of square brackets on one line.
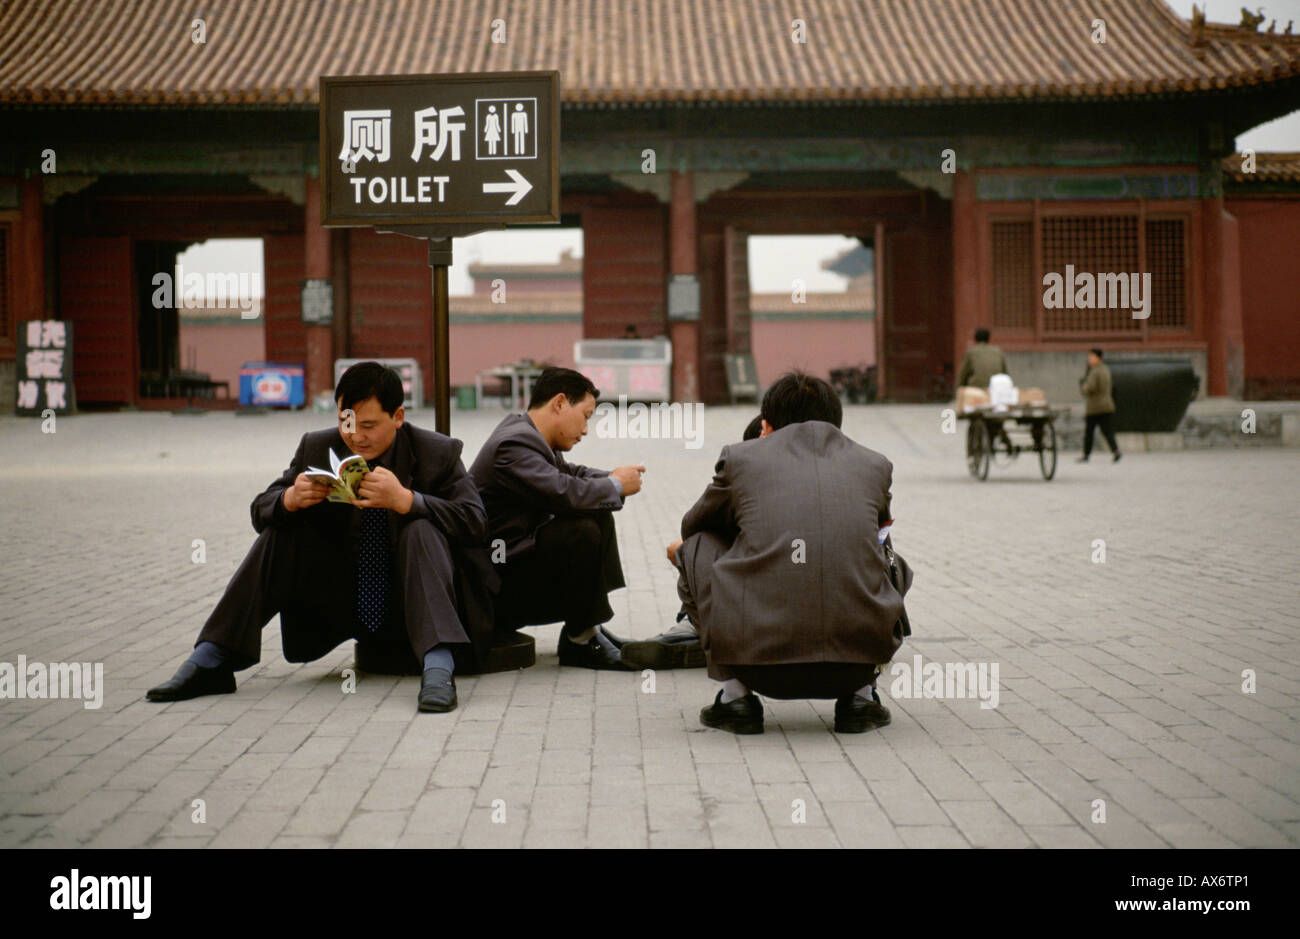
[(519, 186)]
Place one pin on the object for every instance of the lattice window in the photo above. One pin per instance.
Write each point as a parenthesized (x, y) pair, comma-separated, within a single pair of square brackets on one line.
[(1093, 245), (1014, 296), (1105, 248), (1166, 250)]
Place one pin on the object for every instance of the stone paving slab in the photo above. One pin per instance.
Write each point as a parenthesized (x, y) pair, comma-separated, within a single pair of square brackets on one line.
[(1119, 683)]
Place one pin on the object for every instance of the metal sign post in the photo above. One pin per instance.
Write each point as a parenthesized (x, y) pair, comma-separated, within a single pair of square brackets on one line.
[(439, 261), (440, 156)]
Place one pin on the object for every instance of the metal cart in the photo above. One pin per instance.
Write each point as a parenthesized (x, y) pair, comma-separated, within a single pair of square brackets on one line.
[(1001, 434)]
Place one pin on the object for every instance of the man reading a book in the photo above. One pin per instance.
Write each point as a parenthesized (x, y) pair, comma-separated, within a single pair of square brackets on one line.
[(370, 559)]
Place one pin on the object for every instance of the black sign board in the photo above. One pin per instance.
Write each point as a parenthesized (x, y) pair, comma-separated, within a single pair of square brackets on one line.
[(424, 150), (742, 377), (44, 368)]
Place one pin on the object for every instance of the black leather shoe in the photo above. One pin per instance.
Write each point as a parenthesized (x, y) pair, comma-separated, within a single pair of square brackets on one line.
[(598, 653), (437, 691), (192, 681), (855, 714), (678, 648), (742, 716)]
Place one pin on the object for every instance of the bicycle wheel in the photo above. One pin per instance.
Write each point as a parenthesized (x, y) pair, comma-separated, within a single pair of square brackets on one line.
[(1047, 451), (978, 448)]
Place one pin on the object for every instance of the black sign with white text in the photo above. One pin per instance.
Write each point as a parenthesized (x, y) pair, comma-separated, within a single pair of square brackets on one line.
[(431, 149), (44, 368)]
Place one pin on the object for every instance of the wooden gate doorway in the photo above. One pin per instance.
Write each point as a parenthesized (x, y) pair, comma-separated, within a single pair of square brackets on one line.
[(910, 234)]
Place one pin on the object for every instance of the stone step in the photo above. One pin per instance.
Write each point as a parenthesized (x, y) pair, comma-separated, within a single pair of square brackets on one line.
[(1210, 428)]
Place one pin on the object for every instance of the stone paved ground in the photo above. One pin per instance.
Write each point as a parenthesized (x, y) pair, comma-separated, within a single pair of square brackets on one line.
[(1118, 681)]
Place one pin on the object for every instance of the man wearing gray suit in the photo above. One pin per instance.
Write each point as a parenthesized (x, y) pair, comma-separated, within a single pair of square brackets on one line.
[(782, 569), (552, 522)]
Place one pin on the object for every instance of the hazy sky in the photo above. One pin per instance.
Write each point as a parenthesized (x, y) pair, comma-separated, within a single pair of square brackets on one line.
[(774, 261)]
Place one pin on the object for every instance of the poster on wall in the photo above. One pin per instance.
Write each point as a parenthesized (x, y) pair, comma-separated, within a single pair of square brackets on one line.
[(44, 368)]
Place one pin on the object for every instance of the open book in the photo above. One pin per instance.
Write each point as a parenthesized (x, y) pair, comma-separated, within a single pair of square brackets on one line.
[(343, 476)]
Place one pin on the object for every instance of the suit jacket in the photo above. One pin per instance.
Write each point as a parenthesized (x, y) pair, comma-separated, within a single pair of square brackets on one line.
[(805, 579), (980, 363), (1096, 389), (524, 484), (428, 464)]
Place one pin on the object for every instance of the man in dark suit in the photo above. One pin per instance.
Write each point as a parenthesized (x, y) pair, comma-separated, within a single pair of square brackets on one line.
[(787, 583), (383, 569), (551, 523)]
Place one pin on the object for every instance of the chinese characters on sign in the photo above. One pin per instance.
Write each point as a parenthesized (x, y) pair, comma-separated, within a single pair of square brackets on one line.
[(317, 302), (425, 149), (395, 156), (44, 367)]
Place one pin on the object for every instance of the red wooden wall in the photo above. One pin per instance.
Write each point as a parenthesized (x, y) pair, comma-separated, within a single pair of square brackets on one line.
[(1269, 231), (624, 270), (96, 293), (282, 260), (391, 298)]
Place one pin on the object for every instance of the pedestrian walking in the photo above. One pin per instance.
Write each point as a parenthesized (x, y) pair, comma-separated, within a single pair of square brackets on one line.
[(1098, 405)]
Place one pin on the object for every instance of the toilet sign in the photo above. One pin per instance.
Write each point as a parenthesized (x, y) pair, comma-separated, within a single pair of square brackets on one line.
[(440, 149)]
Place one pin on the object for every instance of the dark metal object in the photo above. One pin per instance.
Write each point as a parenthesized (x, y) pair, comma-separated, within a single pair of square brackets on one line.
[(1151, 394)]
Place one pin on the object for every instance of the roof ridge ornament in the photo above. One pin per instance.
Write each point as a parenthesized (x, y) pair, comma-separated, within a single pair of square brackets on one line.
[(1198, 27)]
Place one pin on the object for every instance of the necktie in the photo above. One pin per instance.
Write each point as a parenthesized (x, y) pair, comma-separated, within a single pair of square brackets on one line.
[(372, 571)]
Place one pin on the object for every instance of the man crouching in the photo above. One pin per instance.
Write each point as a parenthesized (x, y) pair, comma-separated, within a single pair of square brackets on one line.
[(781, 569)]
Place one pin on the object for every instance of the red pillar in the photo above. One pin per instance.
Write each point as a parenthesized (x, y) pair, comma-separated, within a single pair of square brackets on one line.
[(29, 254), (1222, 294), (965, 263), (683, 249), (316, 257)]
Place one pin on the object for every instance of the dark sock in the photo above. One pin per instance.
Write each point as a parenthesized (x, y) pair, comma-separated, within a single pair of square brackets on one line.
[(209, 655), (439, 657)]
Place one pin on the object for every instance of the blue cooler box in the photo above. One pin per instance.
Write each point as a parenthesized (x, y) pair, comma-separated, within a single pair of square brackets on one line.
[(272, 384)]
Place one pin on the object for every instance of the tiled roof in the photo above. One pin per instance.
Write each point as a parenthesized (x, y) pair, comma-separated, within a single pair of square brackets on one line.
[(567, 267), (1269, 168), (759, 303), (521, 305), (626, 51), (232, 310), (847, 302)]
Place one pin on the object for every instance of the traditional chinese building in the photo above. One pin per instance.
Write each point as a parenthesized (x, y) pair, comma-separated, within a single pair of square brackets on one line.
[(974, 147)]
